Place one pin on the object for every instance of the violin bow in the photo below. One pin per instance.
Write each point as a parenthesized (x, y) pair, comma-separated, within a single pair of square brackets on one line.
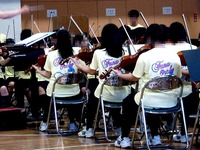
[(7, 31), (69, 25), (91, 27), (14, 28), (31, 23), (145, 21), (40, 32), (187, 31), (127, 34), (93, 33), (97, 29), (90, 45), (50, 18)]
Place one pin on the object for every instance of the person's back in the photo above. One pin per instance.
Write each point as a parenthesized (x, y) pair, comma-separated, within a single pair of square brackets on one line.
[(190, 95), (106, 58), (53, 65), (156, 62)]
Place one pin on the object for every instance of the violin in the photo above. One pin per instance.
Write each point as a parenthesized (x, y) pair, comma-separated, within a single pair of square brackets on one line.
[(85, 54), (4, 52), (183, 62), (40, 63), (127, 62)]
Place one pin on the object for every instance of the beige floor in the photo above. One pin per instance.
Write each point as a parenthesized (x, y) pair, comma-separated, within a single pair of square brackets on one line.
[(31, 139)]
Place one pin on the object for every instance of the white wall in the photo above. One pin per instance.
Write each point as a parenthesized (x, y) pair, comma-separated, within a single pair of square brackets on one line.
[(12, 26)]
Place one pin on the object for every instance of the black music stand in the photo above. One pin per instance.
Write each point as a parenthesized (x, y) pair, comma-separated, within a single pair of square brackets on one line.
[(23, 60), (192, 58)]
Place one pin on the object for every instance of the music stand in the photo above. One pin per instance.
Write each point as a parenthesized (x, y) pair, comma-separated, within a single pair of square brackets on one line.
[(33, 39), (23, 60), (192, 58)]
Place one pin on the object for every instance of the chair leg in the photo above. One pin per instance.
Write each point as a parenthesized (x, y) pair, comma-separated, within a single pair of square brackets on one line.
[(96, 117), (81, 118), (145, 127), (185, 126), (104, 121), (49, 113), (55, 113), (195, 127), (104, 118), (135, 127)]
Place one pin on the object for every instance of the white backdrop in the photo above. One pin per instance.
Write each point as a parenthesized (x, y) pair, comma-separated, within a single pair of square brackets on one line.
[(12, 26)]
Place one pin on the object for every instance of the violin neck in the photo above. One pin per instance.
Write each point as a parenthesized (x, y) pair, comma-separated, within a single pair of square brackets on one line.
[(106, 73)]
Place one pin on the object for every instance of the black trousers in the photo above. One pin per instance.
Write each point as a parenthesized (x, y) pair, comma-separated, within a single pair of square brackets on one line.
[(129, 113)]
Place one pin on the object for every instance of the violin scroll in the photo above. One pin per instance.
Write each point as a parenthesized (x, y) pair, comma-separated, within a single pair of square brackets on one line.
[(183, 62)]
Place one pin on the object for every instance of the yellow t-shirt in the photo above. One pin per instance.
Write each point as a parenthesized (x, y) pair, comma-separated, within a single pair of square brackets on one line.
[(101, 61), (52, 65), (1, 72), (154, 63)]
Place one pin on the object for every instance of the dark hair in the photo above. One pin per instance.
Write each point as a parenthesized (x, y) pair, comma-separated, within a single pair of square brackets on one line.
[(165, 31), (133, 13), (25, 34), (78, 37), (111, 40), (177, 32), (155, 33), (64, 43)]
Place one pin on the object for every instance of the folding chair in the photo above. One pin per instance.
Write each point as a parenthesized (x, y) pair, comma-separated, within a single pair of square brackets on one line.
[(69, 78), (111, 81), (157, 84)]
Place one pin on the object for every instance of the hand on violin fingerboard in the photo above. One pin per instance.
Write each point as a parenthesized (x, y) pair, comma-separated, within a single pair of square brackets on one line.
[(117, 71), (75, 60)]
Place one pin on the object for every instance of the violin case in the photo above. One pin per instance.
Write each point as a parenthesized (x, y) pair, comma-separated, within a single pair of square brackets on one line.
[(12, 118)]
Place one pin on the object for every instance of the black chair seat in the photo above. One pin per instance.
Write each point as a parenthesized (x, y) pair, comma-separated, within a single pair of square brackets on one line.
[(162, 110), (68, 102), (112, 105)]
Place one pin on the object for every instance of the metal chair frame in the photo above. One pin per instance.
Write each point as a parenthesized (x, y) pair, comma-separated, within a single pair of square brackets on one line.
[(162, 84), (63, 80), (196, 127), (111, 81)]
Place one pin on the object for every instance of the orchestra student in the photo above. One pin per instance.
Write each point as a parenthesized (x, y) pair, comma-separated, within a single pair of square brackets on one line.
[(147, 67), (108, 56), (133, 16), (178, 36), (52, 70)]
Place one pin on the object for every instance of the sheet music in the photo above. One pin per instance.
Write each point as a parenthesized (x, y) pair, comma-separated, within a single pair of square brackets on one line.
[(33, 39)]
